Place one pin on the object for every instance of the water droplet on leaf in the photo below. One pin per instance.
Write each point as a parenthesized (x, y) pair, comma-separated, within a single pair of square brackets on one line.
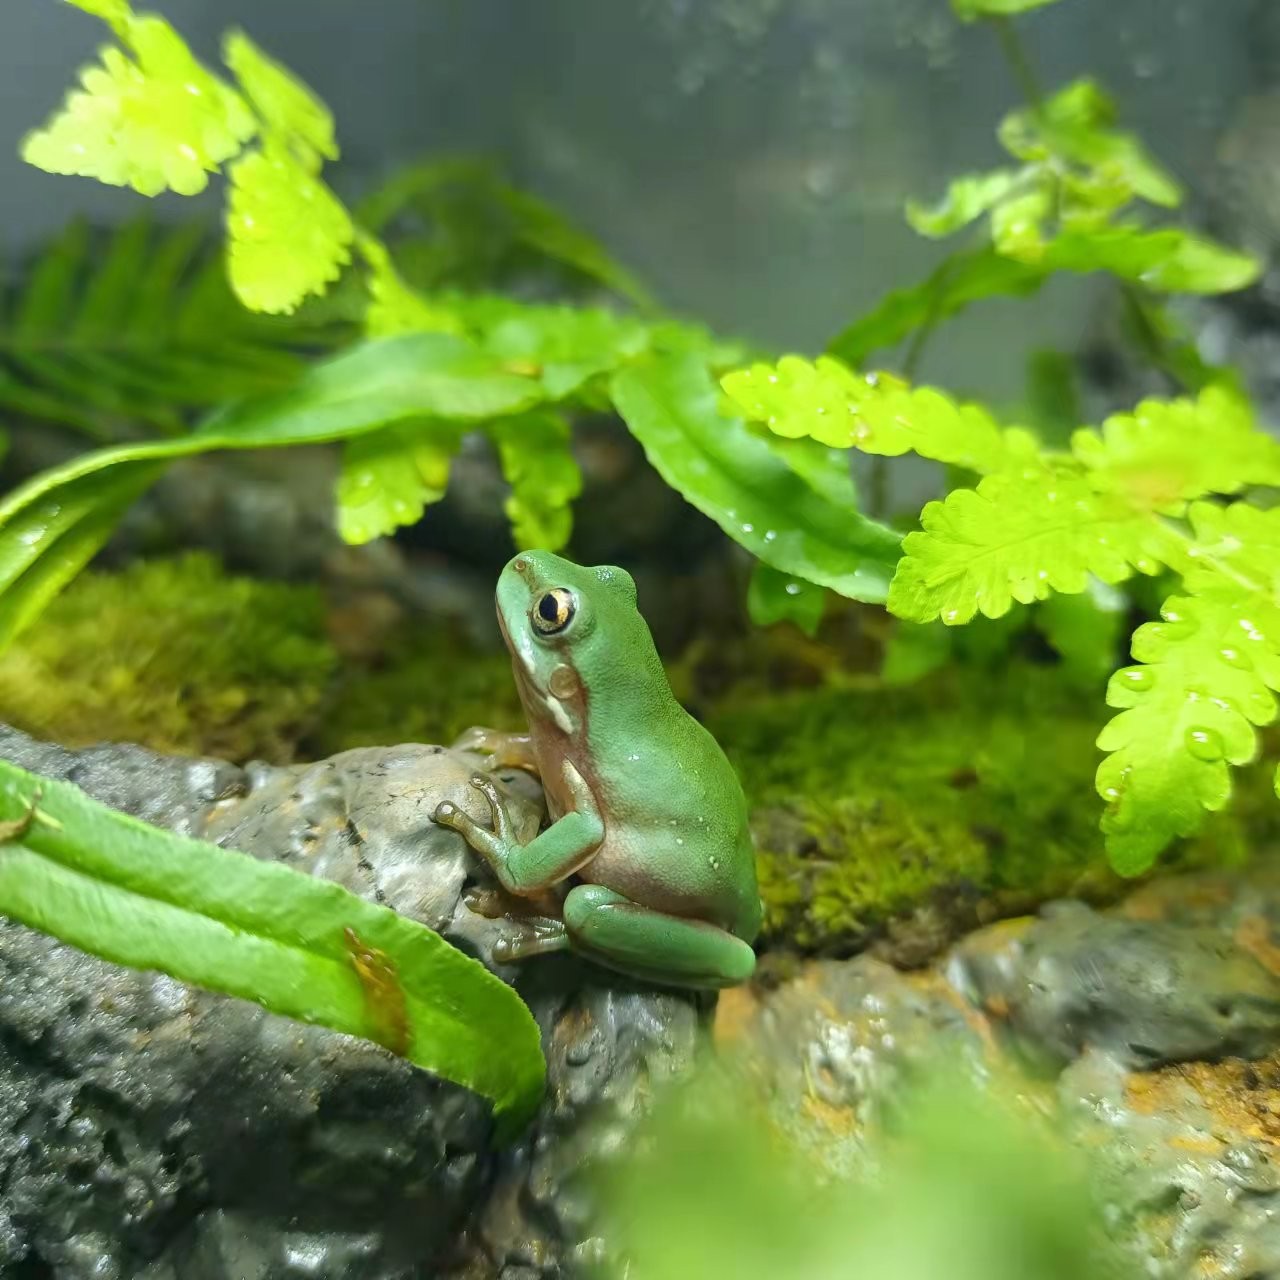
[(1204, 744)]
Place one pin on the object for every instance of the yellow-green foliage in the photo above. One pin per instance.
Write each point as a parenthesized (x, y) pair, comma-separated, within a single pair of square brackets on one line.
[(430, 686), (177, 655), (871, 802)]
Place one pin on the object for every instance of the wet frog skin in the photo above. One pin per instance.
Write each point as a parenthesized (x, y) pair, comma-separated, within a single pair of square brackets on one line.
[(648, 822)]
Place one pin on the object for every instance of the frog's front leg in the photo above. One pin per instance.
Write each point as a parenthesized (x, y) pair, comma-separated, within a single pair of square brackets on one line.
[(504, 750), (526, 869)]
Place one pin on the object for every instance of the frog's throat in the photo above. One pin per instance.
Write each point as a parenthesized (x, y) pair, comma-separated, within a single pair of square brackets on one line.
[(541, 704)]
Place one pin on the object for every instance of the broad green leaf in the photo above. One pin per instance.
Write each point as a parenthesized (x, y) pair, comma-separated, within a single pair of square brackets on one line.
[(564, 345), (1085, 630), (1019, 536), (876, 413), (968, 10), (733, 475), (289, 110), (1168, 261), (289, 235), (299, 945), (966, 198), (412, 376), (538, 464), (389, 477), (45, 547), (961, 280), (776, 597), (825, 470), (1188, 711), (1167, 452), (376, 384), (156, 122)]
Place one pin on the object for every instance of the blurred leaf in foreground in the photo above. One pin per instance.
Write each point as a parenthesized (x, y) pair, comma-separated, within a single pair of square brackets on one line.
[(968, 1188)]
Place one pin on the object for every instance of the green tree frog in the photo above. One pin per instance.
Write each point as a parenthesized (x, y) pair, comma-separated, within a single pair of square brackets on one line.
[(647, 820)]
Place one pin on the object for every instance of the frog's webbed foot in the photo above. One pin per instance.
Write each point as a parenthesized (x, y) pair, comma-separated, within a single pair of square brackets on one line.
[(502, 750), (490, 844), (494, 845)]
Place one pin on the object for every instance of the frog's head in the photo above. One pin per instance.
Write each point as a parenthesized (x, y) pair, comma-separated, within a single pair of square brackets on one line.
[(574, 633)]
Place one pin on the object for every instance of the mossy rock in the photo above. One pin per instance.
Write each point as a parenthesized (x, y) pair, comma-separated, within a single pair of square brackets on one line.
[(952, 801), (176, 655)]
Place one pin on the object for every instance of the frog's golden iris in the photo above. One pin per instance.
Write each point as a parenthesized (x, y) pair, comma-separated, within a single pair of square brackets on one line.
[(554, 611)]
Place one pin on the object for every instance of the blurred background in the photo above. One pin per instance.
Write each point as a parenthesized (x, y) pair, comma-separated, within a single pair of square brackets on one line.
[(748, 158)]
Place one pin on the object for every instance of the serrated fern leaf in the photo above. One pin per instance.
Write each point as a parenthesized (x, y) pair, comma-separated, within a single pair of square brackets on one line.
[(290, 236), (1168, 452), (1241, 541), (876, 413), (158, 121), (389, 477), (289, 111), (543, 474), (1189, 711), (1018, 536), (106, 333)]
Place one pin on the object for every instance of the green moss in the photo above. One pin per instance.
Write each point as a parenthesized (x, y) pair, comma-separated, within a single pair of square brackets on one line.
[(177, 655), (429, 686), (971, 791)]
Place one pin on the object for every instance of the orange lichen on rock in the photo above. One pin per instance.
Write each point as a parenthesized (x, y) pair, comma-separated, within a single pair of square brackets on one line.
[(1240, 1099)]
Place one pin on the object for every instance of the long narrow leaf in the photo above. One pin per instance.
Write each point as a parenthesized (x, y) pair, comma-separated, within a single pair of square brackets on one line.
[(299, 945), (415, 376)]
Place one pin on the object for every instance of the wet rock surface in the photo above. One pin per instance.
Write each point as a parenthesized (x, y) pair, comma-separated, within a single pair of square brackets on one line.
[(158, 1131), (1151, 1029)]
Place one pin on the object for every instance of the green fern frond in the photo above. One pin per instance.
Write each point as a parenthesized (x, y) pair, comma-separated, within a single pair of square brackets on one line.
[(289, 235), (1019, 536), (1206, 679), (136, 328), (1188, 712), (289, 111), (1167, 452), (156, 121), (877, 413), (543, 474), (390, 477)]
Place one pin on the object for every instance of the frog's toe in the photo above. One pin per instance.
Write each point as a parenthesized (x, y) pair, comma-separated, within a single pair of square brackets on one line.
[(446, 813), (497, 810)]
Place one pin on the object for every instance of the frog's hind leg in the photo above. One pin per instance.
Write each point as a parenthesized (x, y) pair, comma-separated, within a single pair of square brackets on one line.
[(650, 944)]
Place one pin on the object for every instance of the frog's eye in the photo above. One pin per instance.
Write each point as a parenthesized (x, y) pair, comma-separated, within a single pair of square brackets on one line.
[(554, 611)]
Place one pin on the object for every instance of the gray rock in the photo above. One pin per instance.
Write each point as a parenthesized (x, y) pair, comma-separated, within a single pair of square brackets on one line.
[(1155, 1029), (159, 1131), (837, 1044), (1147, 992), (1186, 1174)]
